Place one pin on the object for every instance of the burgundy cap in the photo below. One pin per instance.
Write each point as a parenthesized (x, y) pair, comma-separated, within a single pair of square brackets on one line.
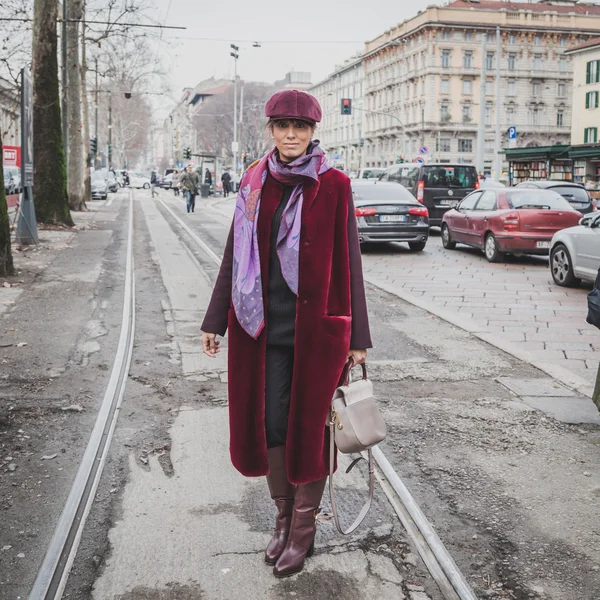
[(293, 104)]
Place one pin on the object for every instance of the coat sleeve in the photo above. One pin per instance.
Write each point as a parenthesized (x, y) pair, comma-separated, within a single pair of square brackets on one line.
[(215, 320), (361, 334)]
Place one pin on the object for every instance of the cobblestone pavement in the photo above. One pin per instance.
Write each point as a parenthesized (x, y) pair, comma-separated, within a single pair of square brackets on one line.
[(514, 301)]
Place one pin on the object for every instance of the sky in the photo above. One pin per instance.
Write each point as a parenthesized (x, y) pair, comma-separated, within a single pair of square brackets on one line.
[(301, 36)]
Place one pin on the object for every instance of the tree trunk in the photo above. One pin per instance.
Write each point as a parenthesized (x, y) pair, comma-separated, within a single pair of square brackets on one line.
[(49, 172), (87, 179), (75, 156), (6, 261)]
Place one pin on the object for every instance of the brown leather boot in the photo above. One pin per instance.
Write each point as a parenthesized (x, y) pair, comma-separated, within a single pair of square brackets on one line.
[(282, 491), (301, 539)]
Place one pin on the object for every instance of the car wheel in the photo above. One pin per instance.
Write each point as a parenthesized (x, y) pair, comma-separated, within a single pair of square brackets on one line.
[(446, 239), (146, 186), (416, 246), (561, 266), (492, 253)]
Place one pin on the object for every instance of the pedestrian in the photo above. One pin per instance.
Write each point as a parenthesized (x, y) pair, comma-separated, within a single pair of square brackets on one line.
[(175, 182), (294, 243), (226, 179), (153, 183), (189, 183), (207, 177)]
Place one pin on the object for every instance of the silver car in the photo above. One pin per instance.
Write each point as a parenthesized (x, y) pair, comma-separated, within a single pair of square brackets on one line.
[(575, 252)]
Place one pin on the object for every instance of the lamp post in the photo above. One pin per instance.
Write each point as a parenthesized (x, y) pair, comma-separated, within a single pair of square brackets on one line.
[(234, 146)]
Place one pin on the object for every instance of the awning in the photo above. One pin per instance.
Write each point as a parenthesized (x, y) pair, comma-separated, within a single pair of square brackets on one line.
[(591, 151), (560, 151)]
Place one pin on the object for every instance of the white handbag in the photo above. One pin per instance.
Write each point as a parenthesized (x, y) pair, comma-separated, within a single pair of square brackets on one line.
[(355, 425)]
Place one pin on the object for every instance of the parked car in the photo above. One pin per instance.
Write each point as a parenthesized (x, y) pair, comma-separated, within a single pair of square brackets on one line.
[(139, 180), (372, 173), (576, 194), (575, 252), (388, 212), (511, 221), (113, 184), (490, 184), (437, 186), (166, 182), (99, 185)]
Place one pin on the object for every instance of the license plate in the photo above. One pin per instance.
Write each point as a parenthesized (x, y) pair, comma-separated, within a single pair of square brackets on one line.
[(448, 202), (543, 244), (392, 218)]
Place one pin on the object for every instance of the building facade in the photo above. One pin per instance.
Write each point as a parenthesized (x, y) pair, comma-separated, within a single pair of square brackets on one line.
[(10, 114), (342, 135), (585, 128)]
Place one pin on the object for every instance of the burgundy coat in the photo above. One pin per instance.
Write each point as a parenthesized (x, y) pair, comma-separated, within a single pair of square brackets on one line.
[(324, 327)]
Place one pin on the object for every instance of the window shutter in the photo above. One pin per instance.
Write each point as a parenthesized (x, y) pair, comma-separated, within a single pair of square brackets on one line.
[(596, 94), (597, 72), (585, 135), (587, 99), (588, 73)]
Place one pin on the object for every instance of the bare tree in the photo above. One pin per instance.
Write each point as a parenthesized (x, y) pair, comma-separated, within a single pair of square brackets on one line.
[(49, 174), (76, 151), (6, 261)]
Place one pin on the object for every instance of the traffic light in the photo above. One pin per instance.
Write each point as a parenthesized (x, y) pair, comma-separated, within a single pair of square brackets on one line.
[(244, 159), (93, 145), (187, 152), (346, 106)]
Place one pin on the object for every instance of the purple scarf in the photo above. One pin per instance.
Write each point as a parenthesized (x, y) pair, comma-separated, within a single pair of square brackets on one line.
[(247, 283)]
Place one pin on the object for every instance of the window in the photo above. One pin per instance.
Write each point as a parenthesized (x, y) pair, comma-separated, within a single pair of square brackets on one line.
[(468, 60), (465, 145), (444, 112), (511, 87), (534, 115), (560, 118), (537, 40), (445, 59), (512, 61), (469, 202), (466, 113), (591, 99), (590, 135), (536, 88), (537, 62), (442, 145), (445, 86), (561, 90), (423, 59), (488, 114), (489, 87), (467, 87), (593, 71), (489, 61), (469, 36), (510, 113), (489, 146), (562, 64), (563, 41), (512, 38), (446, 35), (487, 201)]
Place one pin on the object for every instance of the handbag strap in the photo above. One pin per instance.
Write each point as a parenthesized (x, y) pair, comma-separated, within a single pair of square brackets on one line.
[(365, 509)]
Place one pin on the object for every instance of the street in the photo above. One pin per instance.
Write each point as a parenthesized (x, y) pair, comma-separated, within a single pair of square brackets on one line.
[(470, 427)]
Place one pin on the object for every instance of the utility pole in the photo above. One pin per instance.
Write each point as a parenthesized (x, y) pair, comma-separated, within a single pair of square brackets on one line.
[(241, 120), (498, 141), (63, 44), (234, 145), (109, 149), (96, 119), (480, 161)]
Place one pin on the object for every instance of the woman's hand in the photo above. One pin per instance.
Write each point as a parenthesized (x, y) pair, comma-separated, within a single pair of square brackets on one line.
[(359, 356), (210, 344)]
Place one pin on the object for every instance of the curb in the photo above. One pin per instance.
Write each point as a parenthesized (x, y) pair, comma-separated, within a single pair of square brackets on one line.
[(560, 374)]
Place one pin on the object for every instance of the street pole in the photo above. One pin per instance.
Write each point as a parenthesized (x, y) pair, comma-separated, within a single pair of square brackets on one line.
[(96, 123), (63, 43), (109, 153), (498, 141), (235, 55), (480, 161)]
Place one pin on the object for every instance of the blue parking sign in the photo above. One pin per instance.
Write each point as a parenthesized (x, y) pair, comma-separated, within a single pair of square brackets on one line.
[(512, 133)]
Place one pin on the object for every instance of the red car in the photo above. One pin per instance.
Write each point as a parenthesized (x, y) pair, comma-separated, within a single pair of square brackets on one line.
[(511, 221)]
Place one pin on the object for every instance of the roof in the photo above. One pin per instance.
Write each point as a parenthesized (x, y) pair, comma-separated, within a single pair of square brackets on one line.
[(539, 7), (593, 43), (537, 152)]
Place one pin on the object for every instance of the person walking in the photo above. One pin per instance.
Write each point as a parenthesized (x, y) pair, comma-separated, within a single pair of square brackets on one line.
[(207, 177), (153, 183), (175, 182), (226, 180), (189, 184), (291, 293)]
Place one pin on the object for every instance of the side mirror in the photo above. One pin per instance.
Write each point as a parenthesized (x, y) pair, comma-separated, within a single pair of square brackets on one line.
[(586, 221)]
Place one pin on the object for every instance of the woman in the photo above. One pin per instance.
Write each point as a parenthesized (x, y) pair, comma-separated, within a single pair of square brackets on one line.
[(291, 292)]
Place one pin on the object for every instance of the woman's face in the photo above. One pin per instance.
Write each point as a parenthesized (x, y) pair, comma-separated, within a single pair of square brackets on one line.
[(291, 138)]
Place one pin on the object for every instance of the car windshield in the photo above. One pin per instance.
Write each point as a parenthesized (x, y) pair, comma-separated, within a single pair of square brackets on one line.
[(371, 173), (572, 193), (548, 200), (449, 177), (381, 193), (96, 176)]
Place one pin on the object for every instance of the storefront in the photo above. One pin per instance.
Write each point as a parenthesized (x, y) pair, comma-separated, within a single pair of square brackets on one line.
[(586, 167), (542, 162)]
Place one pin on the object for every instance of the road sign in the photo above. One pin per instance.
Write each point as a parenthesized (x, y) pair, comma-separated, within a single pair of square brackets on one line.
[(423, 150), (419, 160), (512, 133), (337, 156), (179, 165), (235, 146)]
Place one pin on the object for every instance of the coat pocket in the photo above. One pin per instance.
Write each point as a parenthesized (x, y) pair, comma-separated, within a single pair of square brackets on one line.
[(338, 327)]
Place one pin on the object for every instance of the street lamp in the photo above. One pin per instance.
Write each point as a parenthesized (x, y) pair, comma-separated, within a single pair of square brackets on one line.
[(234, 146)]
